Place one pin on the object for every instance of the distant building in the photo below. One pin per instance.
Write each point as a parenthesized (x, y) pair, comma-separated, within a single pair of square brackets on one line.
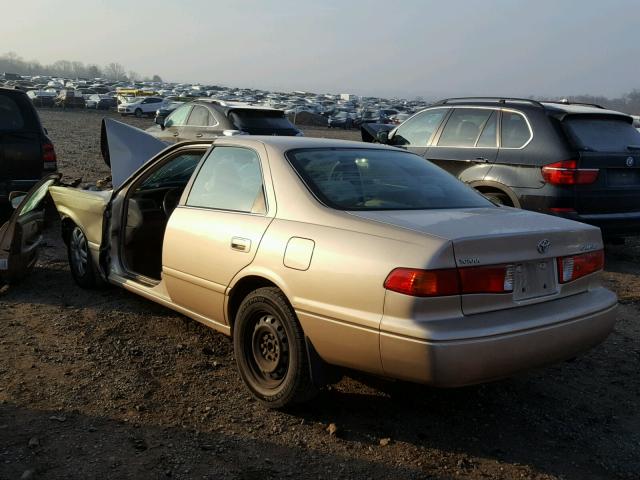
[(347, 97)]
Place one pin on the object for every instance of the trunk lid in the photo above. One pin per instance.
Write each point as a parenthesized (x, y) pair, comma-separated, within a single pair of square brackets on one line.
[(617, 188), (528, 241)]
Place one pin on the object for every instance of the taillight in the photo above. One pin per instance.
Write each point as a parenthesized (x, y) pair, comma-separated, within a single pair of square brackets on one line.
[(491, 279), (568, 173), (452, 281), (576, 266), (48, 153), (423, 283)]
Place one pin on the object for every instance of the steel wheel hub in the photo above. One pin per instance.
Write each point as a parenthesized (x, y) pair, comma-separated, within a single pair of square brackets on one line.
[(269, 347)]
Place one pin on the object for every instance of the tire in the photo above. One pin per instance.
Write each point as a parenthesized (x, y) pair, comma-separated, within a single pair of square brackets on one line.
[(138, 113), (499, 198), (80, 262), (270, 350)]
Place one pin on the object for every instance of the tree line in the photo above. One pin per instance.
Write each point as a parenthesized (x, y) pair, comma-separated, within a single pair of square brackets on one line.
[(12, 63)]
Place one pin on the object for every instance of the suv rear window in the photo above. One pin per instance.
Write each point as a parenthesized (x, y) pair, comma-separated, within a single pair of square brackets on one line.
[(368, 179), (11, 118), (602, 134), (259, 119)]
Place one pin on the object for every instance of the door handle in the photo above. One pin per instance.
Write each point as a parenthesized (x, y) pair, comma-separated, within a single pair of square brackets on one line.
[(240, 244), (481, 159), (199, 135), (175, 134)]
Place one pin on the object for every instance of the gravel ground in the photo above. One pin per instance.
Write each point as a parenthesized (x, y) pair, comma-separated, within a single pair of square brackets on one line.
[(104, 384)]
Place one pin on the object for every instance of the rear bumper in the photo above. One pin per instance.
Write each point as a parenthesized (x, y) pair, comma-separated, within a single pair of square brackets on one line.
[(627, 223), (466, 361)]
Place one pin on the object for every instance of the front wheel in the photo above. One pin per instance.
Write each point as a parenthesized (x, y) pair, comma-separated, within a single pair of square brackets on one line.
[(138, 113), (80, 262), (270, 350)]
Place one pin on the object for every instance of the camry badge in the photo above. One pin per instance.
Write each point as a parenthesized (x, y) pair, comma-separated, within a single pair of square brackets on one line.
[(543, 246), (630, 161)]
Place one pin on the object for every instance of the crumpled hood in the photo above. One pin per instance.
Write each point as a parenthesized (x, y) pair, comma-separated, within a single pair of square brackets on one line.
[(125, 149)]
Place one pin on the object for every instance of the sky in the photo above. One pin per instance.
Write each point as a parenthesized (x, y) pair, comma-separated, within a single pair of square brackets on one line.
[(403, 48)]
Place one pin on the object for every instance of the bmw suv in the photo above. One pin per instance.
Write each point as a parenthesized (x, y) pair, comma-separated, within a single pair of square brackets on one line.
[(573, 160)]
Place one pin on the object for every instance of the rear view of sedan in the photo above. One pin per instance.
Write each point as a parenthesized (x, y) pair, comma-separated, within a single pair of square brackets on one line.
[(314, 254)]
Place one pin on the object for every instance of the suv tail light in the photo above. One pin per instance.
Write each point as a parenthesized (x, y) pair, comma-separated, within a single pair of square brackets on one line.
[(576, 266), (568, 173), (452, 281), (49, 156)]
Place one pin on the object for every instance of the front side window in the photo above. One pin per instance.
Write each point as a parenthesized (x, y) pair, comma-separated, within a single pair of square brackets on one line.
[(368, 179), (418, 130), (230, 179), (174, 173), (464, 127), (514, 132), (178, 117)]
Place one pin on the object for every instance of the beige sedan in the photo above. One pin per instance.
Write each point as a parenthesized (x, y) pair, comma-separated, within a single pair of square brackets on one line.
[(314, 254)]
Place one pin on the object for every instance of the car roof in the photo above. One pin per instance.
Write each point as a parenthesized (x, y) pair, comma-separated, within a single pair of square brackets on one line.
[(284, 143), (558, 109), (226, 107), (10, 90)]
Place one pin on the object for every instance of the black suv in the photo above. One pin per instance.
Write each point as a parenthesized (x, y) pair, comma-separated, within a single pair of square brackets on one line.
[(573, 160), (207, 119), (26, 153)]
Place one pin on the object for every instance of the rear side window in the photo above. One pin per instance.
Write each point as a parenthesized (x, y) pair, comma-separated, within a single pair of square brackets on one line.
[(418, 130), (259, 119), (515, 131), (199, 117), (230, 179), (602, 134), (11, 118), (464, 127)]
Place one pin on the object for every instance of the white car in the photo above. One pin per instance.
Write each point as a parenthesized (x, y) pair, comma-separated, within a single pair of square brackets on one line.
[(140, 106)]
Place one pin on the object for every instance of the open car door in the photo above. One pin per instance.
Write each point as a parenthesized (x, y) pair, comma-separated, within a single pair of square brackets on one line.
[(21, 235)]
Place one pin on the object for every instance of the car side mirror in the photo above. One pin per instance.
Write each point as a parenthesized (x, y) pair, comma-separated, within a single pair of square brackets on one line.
[(15, 198), (382, 137)]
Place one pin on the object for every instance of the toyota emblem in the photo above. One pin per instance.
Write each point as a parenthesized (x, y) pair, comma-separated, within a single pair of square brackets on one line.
[(543, 246), (630, 162)]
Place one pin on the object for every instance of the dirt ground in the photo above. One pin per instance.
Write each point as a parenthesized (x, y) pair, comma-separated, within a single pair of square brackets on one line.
[(104, 384)]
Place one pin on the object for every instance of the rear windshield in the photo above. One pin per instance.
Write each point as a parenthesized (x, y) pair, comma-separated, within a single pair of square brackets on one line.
[(257, 119), (368, 179), (16, 114), (602, 134)]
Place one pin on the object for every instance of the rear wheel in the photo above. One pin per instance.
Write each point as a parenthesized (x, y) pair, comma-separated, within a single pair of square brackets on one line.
[(499, 198), (80, 262), (270, 350)]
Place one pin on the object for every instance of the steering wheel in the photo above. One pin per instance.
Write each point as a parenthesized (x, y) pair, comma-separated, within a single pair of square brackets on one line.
[(170, 201)]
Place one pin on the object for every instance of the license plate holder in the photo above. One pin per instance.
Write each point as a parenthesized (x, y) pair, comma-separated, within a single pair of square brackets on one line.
[(623, 177), (534, 279)]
